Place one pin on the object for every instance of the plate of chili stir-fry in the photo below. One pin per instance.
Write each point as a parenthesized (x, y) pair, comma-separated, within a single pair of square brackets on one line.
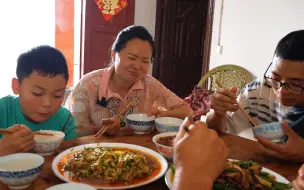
[(239, 175), (110, 165)]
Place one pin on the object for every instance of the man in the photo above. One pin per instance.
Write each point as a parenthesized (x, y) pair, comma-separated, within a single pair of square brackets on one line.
[(199, 157), (276, 97)]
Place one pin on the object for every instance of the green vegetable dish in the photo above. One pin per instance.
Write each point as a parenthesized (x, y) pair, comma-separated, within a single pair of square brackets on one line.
[(109, 165), (238, 175)]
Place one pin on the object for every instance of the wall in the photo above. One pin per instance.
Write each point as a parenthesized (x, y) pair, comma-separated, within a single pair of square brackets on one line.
[(145, 14), (251, 29), (25, 24)]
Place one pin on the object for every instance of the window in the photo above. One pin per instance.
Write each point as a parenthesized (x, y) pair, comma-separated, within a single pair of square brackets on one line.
[(29, 23)]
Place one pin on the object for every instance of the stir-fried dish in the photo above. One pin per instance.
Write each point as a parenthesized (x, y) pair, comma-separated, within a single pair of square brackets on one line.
[(247, 175), (238, 175), (167, 141), (109, 165)]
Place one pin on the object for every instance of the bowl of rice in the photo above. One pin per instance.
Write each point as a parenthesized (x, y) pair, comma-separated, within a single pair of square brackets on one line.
[(19, 171), (46, 145)]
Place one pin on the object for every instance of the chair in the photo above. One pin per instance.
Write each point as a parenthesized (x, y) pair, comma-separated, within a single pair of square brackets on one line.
[(228, 75)]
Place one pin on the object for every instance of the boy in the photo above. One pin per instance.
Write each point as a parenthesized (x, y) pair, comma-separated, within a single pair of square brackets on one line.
[(42, 75), (276, 97)]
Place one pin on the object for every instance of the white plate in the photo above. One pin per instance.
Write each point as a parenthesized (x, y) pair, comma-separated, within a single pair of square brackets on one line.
[(71, 186), (279, 178), (160, 158)]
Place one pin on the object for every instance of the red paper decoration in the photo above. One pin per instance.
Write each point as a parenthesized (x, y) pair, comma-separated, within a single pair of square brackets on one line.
[(110, 8)]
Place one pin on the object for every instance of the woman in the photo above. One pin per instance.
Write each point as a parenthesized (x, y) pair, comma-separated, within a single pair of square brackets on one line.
[(103, 93)]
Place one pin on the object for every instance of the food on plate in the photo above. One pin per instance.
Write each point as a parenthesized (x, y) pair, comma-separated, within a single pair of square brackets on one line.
[(238, 175), (167, 141), (109, 165)]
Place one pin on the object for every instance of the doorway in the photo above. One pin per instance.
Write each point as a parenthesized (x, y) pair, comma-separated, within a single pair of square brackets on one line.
[(99, 35), (183, 40)]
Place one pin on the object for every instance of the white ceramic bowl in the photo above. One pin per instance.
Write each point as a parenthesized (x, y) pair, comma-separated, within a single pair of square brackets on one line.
[(72, 186), (140, 123), (168, 124), (18, 171), (270, 131), (46, 145), (166, 151)]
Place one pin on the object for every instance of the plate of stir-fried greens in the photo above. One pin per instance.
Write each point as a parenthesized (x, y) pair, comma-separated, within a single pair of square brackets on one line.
[(239, 175), (110, 165)]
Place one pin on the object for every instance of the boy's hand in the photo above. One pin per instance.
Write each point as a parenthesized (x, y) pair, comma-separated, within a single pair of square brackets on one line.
[(224, 100), (21, 139)]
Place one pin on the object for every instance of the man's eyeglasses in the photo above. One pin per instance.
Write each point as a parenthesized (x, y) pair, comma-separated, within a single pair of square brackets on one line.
[(292, 88)]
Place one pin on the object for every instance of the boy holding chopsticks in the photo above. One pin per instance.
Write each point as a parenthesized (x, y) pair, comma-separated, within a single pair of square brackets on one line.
[(276, 97), (42, 75)]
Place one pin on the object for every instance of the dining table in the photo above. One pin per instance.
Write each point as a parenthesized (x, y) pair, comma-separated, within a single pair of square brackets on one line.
[(239, 148)]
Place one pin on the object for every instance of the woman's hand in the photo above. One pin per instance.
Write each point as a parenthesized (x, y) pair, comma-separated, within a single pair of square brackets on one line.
[(113, 126), (157, 112), (181, 112)]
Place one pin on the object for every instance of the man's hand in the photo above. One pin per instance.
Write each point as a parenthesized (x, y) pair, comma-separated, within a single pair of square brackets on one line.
[(292, 150), (198, 152)]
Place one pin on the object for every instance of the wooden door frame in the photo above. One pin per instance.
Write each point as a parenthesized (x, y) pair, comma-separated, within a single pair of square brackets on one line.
[(82, 37), (207, 42), (208, 38)]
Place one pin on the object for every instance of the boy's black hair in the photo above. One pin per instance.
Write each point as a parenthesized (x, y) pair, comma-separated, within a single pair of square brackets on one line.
[(291, 47), (45, 60)]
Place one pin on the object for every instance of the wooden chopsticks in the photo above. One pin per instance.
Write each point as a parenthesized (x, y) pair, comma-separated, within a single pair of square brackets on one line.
[(123, 110), (5, 131), (240, 107)]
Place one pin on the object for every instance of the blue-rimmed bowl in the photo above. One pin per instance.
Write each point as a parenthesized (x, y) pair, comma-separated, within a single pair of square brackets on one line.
[(140, 123), (168, 124), (270, 131), (18, 171)]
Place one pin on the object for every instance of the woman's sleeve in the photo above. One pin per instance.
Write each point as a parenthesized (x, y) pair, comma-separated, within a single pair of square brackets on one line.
[(78, 103)]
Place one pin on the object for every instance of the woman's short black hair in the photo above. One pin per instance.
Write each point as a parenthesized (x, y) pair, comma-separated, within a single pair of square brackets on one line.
[(291, 47), (130, 33), (45, 60)]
